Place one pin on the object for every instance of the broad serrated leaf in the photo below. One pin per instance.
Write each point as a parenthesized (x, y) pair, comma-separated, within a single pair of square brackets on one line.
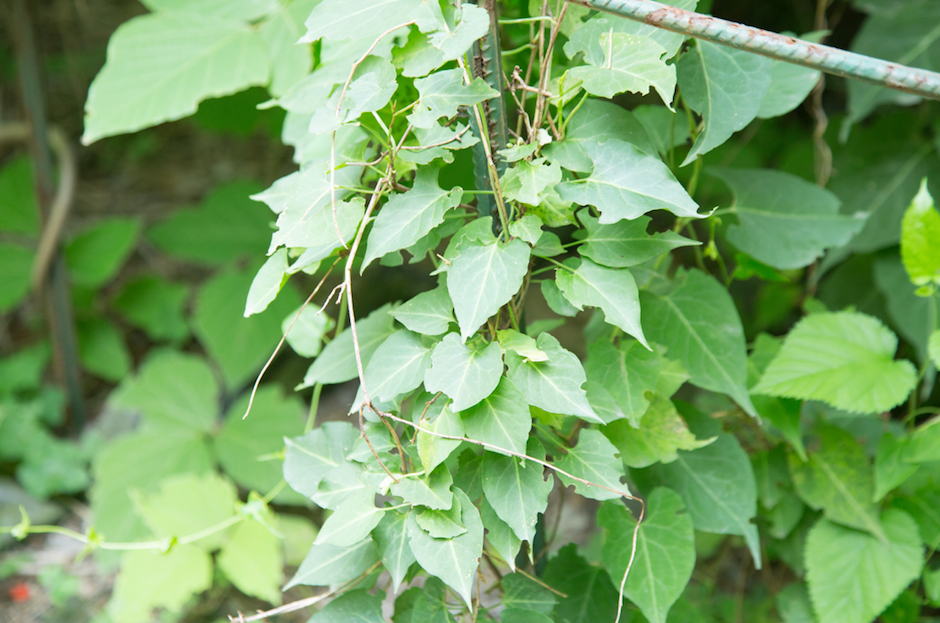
[(841, 562), (188, 504), (724, 85), (267, 283), (351, 522), (845, 359), (659, 434), (409, 216), (699, 325), (626, 243), (253, 561), (924, 443), (612, 290), (151, 580), (429, 313), (442, 93), (483, 277), (838, 479), (327, 564), (391, 537), (591, 597), (309, 458), (920, 239), (665, 551), (626, 183), (337, 362), (516, 489), (454, 561), (890, 468), (554, 385), (357, 19), (526, 181), (716, 482), (785, 221), (627, 63), (466, 375), (161, 66), (596, 460), (243, 444), (619, 379), (432, 491), (501, 420)]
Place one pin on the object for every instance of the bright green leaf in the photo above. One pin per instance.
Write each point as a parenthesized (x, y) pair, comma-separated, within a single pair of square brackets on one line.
[(841, 562), (845, 359), (516, 489), (724, 85), (789, 85), (356, 19), (161, 66), (309, 458), (352, 607), (429, 313), (500, 535), (17, 264), (453, 39), (391, 537), (267, 283), (432, 491), (252, 560), (156, 306), (397, 366), (619, 379), (151, 580), (434, 450), (890, 468), (920, 239), (442, 524), (337, 362), (629, 63), (604, 23), (306, 331), (465, 375), (501, 420), (665, 551), (289, 62), (351, 522), (442, 93), (529, 228), (95, 255), (596, 460), (327, 564), (526, 181), (924, 443), (626, 243), (102, 349), (596, 122)]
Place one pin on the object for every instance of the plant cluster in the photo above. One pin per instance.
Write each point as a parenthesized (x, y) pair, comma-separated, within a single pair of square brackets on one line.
[(738, 402)]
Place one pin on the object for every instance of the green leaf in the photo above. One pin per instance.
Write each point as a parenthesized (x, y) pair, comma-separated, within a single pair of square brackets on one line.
[(18, 196), (417, 57), (521, 344), (907, 37), (529, 228), (391, 537), (841, 562), (337, 362), (309, 458), (428, 313), (95, 255), (465, 375), (289, 62), (239, 345), (923, 508), (724, 85), (352, 607), (24, 369), (924, 443), (698, 323), (102, 349), (659, 434), (17, 263), (442, 524), (351, 522), (501, 419), (244, 446), (432, 491), (252, 560), (437, 142), (187, 504), (246, 10), (785, 221), (526, 181), (225, 227), (553, 385), (556, 300), (613, 290), (618, 62), (596, 460), (518, 615), (665, 551), (442, 93), (920, 239), (793, 604), (356, 19), (620, 377), (434, 450), (603, 23), (52, 466), (665, 130), (845, 359), (626, 243), (597, 122), (890, 468), (267, 283), (407, 217), (783, 413), (370, 90), (517, 490), (933, 348), (327, 564), (156, 306), (789, 85), (590, 595), (626, 183), (913, 316), (306, 331), (482, 278), (150, 580), (454, 37), (716, 483), (499, 535), (173, 391), (454, 561), (397, 366), (522, 592), (838, 479), (161, 66)]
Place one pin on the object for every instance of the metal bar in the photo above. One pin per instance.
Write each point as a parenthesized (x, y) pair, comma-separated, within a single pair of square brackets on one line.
[(788, 49)]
